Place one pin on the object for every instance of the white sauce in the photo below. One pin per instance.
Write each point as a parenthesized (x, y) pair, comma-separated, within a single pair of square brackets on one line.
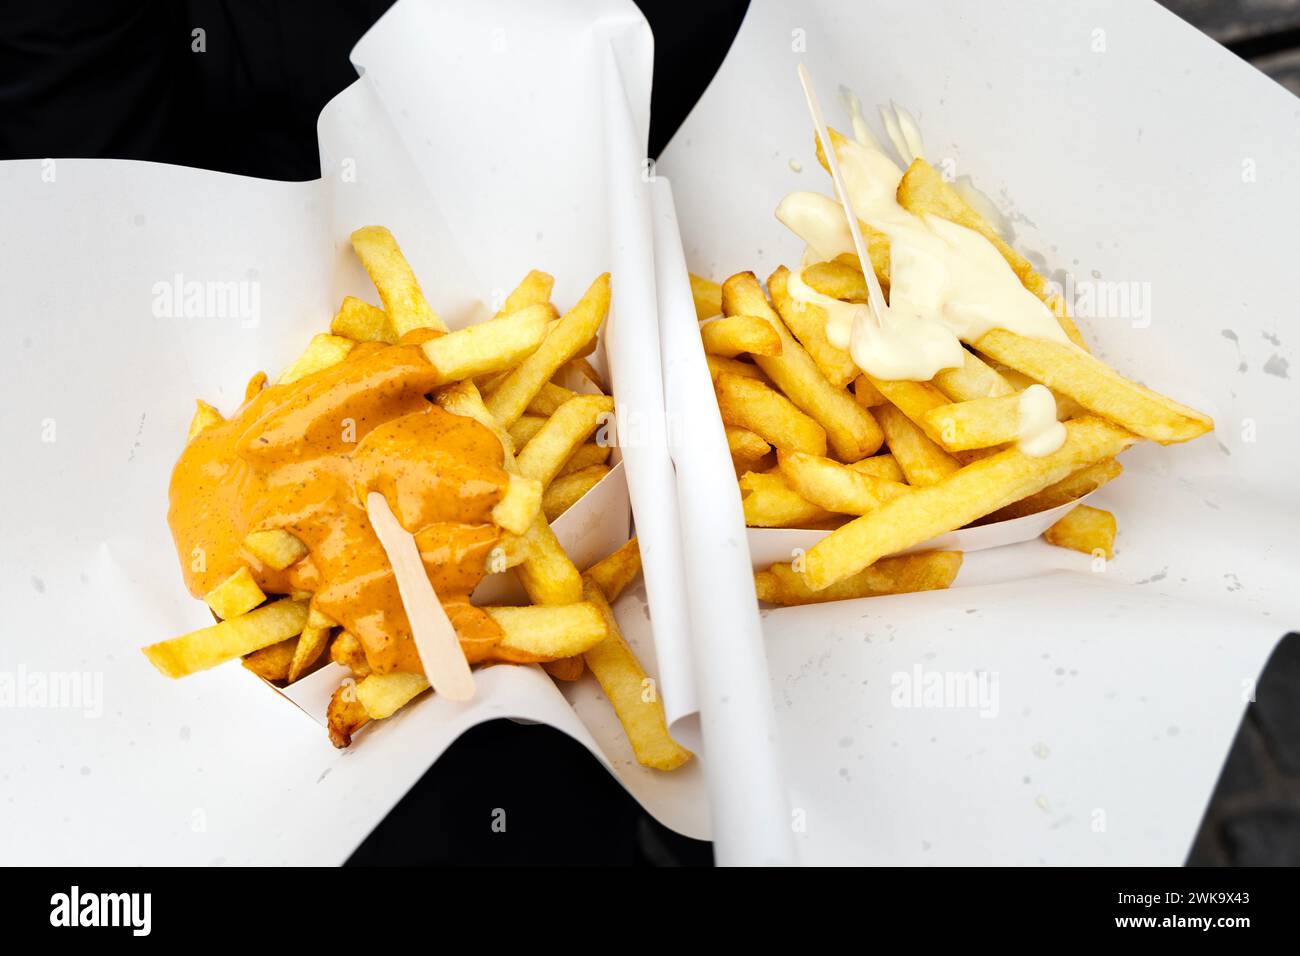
[(1039, 432)]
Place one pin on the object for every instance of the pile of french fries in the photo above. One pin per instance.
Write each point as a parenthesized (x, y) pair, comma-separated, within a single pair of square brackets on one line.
[(885, 466), (505, 374)]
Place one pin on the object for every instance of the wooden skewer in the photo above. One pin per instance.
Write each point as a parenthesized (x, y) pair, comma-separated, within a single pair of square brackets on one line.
[(875, 295), (435, 639)]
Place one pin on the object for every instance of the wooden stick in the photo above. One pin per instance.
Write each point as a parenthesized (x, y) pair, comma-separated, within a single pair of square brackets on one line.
[(435, 639)]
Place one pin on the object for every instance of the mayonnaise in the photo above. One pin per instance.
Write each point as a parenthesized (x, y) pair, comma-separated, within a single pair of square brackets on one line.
[(948, 284), (1039, 432)]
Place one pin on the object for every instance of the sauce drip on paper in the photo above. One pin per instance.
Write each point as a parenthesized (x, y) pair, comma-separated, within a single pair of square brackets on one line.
[(303, 456)]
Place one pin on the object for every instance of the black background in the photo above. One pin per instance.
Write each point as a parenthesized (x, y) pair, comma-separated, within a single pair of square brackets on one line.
[(118, 79)]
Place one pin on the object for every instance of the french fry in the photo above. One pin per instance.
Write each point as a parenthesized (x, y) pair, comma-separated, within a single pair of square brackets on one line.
[(734, 335), (585, 456), (347, 651), (566, 668), (548, 399), (488, 346), (880, 466), (746, 445), (923, 462), (548, 450), (913, 399), (563, 493), (1085, 529), (718, 365), (345, 715), (581, 366), (841, 278), (616, 570), (382, 695), (924, 191), (975, 379), (967, 494), (209, 646), (525, 427), (631, 692), (463, 398), (835, 487), (707, 296), (1096, 386), (866, 394), (748, 404), (272, 663), (1070, 488), (770, 502), (573, 333), (534, 289), (978, 423), (322, 352), (236, 595), (309, 647), (850, 429), (903, 574), (275, 547), (519, 505), (363, 322), (534, 634), (808, 323), (403, 301), (204, 415), (547, 574)]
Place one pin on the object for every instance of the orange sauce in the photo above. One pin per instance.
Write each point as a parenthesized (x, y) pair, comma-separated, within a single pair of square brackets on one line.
[(303, 456)]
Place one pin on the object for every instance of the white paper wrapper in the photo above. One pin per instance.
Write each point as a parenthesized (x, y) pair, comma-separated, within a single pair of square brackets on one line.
[(1117, 693), (492, 139)]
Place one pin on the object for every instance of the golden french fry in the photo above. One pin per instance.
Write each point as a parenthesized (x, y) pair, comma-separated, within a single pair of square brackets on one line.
[(574, 331), (363, 322), (924, 191), (850, 429), (616, 570), (519, 505), (585, 456), (922, 461), (841, 278), (272, 663), (398, 289), (548, 450), (978, 423), (880, 466), (748, 404), (1085, 529), (564, 492), (347, 651), (770, 502), (707, 296), (1070, 488), (308, 648), (913, 399), (322, 351), (276, 548), (739, 334), (345, 715), (488, 346), (382, 695), (975, 379), (547, 574), (525, 427), (236, 595), (534, 289), (744, 444), (903, 574), (204, 415), (808, 323), (209, 646), (548, 399), (463, 398), (632, 694), (1096, 386), (866, 394), (719, 365), (534, 634), (1066, 407), (588, 371), (836, 487), (566, 668), (967, 494)]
